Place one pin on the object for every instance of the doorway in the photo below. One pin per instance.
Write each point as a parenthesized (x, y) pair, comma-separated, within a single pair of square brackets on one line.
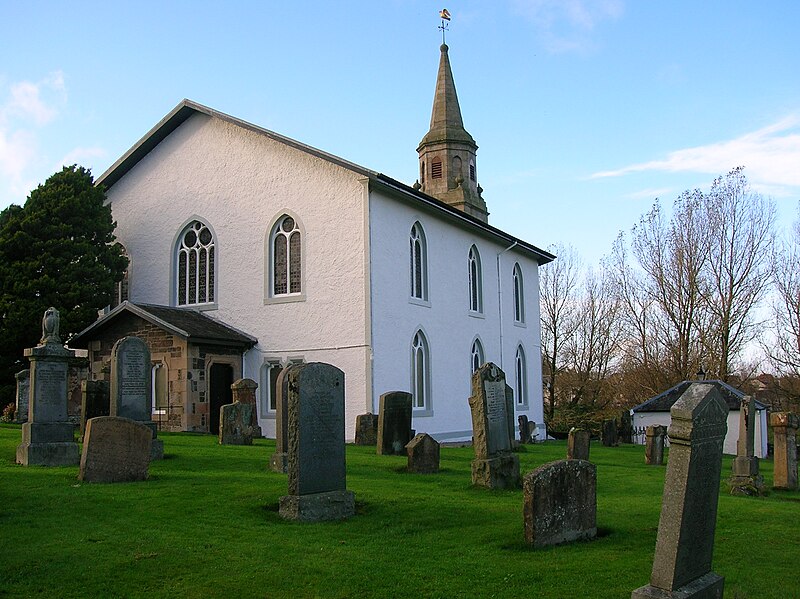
[(220, 393)]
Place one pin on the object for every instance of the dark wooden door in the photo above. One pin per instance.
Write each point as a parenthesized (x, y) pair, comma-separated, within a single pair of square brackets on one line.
[(221, 376)]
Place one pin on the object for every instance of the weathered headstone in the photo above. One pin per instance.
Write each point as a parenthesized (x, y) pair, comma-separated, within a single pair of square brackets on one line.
[(48, 437), (533, 433), (745, 478), (685, 544), (625, 430), (423, 454), (494, 466), (609, 433), (235, 424), (654, 445), (23, 394), (95, 401), (560, 503), (524, 436), (394, 423), (316, 465), (131, 387), (367, 429), (279, 460), (512, 437), (784, 434), (578, 443), (244, 391), (115, 450)]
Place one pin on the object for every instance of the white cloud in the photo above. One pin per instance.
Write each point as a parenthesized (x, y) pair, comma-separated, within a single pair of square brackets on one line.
[(771, 156), (650, 194), (81, 156)]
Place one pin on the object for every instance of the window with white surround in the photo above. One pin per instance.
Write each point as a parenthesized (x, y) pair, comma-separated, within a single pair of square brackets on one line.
[(475, 280), (286, 258), (476, 355), (269, 377), (420, 372), (418, 255), (195, 265), (159, 383), (519, 295), (521, 379)]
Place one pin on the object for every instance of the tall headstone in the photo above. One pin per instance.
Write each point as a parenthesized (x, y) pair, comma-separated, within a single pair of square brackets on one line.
[(95, 401), (131, 388), (244, 391), (279, 460), (560, 503), (524, 436), (625, 430), (745, 477), (367, 429), (654, 445), (235, 424), (609, 433), (115, 450), (423, 454), (494, 466), (23, 395), (394, 423), (685, 543), (784, 434), (578, 443), (316, 465), (48, 436)]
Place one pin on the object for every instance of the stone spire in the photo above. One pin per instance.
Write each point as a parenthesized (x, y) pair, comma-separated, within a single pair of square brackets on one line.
[(447, 164)]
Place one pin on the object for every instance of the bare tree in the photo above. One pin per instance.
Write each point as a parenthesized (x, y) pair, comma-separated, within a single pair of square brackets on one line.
[(784, 348)]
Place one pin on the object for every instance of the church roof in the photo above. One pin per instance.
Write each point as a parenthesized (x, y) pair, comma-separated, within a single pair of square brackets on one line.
[(663, 401), (186, 323), (187, 108)]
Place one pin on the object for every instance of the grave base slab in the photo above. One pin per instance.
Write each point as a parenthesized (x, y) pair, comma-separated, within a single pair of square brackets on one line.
[(708, 586), (501, 472), (318, 507)]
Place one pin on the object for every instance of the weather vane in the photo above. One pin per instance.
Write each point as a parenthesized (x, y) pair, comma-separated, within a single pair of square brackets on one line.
[(445, 14)]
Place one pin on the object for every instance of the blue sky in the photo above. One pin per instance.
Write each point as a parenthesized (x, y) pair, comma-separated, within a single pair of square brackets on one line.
[(584, 111)]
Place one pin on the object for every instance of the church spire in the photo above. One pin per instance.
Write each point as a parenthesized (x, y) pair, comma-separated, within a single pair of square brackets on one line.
[(447, 152)]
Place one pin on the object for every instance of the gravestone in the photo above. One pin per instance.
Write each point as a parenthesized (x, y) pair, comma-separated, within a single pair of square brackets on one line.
[(131, 389), (423, 454), (244, 391), (784, 433), (524, 435), (367, 429), (494, 466), (316, 464), (609, 433), (745, 478), (560, 503), (685, 543), (654, 445), (578, 443), (48, 437), (394, 423), (235, 424), (532, 432), (95, 401), (279, 460), (625, 430), (512, 436), (115, 450), (23, 395)]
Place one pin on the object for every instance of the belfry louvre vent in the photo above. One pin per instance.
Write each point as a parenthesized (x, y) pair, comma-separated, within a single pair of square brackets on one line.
[(436, 169)]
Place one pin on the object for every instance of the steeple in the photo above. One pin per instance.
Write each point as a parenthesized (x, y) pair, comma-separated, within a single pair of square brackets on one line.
[(447, 164)]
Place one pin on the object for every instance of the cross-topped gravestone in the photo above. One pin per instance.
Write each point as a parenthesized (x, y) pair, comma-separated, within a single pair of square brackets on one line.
[(316, 464), (131, 388), (685, 543), (784, 433), (494, 466), (394, 423), (654, 445), (745, 478)]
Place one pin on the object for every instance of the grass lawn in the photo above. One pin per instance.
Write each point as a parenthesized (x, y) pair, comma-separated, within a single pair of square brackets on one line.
[(206, 525)]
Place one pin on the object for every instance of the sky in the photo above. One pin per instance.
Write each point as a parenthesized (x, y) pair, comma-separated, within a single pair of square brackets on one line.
[(585, 111)]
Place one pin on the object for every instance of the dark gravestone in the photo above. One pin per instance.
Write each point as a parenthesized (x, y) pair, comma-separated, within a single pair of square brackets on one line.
[(423, 454), (131, 388), (560, 503), (654, 445), (685, 543), (48, 437), (784, 433), (626, 427), (394, 423), (609, 433), (23, 395), (95, 401), (494, 466), (115, 450), (235, 424), (367, 429), (745, 478), (278, 462), (244, 391), (578, 444), (316, 464), (524, 435)]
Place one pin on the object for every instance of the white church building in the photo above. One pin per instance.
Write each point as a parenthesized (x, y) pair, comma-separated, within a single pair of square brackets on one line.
[(292, 254)]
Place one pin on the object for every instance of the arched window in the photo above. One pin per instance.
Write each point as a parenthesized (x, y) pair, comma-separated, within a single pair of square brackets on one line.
[(475, 280), (519, 295), (521, 389), (195, 265), (420, 372), (476, 355), (286, 257), (419, 263)]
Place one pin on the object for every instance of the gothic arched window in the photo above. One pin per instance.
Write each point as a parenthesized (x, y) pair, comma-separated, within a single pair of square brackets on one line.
[(519, 295), (418, 255), (420, 372), (195, 265), (521, 389), (476, 355), (286, 257), (475, 280)]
